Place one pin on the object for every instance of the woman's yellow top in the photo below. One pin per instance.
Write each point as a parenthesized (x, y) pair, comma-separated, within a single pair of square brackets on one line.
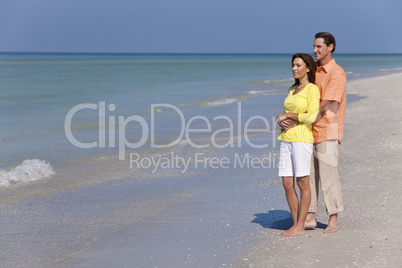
[(306, 103)]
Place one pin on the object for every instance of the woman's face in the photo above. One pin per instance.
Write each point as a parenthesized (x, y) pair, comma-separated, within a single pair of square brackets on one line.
[(299, 68)]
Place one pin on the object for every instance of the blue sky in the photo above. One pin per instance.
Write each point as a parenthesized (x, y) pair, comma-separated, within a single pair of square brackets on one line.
[(200, 26)]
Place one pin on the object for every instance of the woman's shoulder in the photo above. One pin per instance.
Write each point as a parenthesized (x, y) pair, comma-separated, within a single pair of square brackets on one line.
[(313, 90), (312, 87)]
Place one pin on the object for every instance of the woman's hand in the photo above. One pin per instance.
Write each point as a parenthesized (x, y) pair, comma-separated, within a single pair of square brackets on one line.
[(281, 117), (285, 122), (281, 121)]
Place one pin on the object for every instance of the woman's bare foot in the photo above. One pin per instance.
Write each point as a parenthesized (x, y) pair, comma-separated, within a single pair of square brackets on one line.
[(294, 231), (310, 222)]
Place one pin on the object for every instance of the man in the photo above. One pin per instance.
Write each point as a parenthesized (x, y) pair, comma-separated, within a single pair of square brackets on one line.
[(327, 132)]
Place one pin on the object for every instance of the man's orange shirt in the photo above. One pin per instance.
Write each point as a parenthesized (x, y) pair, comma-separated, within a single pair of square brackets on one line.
[(331, 81)]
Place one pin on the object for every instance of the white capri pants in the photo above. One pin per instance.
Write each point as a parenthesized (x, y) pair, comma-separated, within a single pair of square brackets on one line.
[(295, 159)]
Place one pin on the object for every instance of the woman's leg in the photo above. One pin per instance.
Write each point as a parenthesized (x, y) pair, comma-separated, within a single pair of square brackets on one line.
[(291, 197), (305, 198)]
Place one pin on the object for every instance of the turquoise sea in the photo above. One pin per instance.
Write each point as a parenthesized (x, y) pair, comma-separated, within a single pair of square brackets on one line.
[(38, 90), (164, 160)]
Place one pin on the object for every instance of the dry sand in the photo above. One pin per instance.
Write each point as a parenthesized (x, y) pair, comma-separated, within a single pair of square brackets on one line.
[(370, 169)]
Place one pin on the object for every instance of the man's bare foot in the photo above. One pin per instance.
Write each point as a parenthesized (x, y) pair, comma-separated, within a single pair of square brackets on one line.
[(332, 226), (294, 231), (310, 222)]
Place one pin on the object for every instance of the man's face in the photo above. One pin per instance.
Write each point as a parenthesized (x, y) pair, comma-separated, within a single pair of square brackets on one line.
[(321, 50)]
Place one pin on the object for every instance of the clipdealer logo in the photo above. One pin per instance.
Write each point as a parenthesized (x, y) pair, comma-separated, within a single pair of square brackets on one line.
[(148, 132)]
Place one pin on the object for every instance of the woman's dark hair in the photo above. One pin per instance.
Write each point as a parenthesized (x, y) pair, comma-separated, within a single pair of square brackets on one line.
[(328, 39), (310, 64)]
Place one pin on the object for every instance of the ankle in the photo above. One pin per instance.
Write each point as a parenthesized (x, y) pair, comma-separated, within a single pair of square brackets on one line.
[(310, 217), (333, 218)]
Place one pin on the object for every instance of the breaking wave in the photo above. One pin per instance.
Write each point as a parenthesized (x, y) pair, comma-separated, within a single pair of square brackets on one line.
[(29, 170)]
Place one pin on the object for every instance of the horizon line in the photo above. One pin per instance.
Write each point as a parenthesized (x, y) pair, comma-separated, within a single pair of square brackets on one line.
[(188, 53)]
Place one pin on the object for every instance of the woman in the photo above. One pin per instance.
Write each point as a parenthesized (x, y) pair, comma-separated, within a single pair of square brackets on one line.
[(301, 105)]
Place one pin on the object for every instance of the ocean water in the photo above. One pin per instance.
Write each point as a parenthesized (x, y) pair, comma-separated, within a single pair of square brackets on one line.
[(42, 92)]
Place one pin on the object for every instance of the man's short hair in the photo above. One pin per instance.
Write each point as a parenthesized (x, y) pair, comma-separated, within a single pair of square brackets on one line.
[(328, 39)]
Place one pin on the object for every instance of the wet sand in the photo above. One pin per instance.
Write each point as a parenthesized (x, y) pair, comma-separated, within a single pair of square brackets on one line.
[(370, 171)]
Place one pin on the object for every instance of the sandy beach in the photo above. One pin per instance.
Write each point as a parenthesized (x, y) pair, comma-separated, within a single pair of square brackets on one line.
[(370, 172)]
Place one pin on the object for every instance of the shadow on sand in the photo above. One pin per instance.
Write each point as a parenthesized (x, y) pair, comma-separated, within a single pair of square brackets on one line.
[(278, 219)]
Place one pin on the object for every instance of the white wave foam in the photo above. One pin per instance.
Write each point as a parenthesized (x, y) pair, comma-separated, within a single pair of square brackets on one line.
[(255, 92), (29, 170), (221, 102), (266, 92), (270, 81)]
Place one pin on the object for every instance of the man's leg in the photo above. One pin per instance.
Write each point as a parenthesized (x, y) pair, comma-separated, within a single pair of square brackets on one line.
[(330, 182)]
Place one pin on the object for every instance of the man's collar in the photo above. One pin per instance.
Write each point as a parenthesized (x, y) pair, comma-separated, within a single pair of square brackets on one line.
[(327, 67)]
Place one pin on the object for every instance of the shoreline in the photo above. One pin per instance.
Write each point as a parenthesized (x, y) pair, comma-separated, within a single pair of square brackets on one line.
[(369, 170)]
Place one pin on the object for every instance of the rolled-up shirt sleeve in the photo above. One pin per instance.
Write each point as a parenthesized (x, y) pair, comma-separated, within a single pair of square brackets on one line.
[(335, 88)]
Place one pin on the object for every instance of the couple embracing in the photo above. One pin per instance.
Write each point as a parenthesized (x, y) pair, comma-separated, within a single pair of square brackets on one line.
[(311, 131)]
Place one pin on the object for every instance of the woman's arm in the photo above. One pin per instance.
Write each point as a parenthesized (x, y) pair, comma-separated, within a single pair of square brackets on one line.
[(312, 110)]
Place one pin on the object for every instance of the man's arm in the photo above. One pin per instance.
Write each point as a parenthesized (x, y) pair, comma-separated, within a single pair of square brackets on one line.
[(324, 106)]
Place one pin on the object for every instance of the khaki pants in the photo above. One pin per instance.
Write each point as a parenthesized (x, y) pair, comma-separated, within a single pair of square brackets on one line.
[(324, 172)]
